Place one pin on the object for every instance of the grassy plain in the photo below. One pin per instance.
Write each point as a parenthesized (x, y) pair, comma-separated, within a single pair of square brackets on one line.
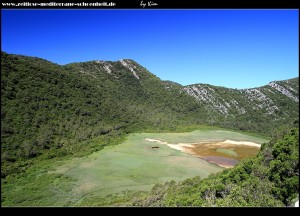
[(133, 165)]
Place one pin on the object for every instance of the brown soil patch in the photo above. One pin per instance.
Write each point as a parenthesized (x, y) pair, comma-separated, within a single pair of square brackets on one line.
[(221, 161), (208, 151)]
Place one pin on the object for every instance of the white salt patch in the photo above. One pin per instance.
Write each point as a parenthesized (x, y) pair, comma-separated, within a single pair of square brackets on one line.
[(181, 146), (155, 140), (241, 143), (177, 147)]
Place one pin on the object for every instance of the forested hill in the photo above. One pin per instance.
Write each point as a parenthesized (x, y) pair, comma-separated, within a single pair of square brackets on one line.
[(46, 106), (250, 109)]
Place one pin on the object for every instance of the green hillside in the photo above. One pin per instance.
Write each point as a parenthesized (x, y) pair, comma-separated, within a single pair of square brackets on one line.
[(256, 109), (46, 106), (65, 111)]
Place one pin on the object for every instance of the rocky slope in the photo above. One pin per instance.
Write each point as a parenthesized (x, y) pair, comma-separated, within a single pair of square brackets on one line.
[(269, 99), (48, 106)]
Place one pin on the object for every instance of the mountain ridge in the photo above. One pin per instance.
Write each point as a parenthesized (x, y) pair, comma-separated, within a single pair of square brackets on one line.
[(129, 59), (47, 106), (52, 113), (107, 62)]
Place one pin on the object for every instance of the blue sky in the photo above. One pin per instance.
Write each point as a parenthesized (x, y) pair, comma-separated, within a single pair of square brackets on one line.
[(231, 48)]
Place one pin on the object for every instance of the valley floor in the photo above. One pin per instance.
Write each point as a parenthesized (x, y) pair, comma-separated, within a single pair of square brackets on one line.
[(137, 164)]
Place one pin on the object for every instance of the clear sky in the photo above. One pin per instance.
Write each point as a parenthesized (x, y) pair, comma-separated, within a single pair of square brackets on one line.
[(231, 48)]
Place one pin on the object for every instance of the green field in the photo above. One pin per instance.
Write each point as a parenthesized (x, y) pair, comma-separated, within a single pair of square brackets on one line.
[(228, 152), (132, 165)]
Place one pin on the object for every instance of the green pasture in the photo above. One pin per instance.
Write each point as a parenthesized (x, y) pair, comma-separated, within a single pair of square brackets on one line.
[(227, 151), (132, 165)]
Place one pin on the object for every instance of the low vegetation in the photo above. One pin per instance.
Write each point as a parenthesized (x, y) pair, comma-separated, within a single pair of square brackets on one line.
[(51, 113), (269, 179)]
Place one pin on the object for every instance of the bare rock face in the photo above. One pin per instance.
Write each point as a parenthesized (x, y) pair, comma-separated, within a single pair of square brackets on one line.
[(284, 91), (126, 63), (231, 101)]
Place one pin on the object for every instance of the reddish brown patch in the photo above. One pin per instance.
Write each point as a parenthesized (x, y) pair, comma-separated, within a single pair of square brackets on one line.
[(221, 161), (208, 152)]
